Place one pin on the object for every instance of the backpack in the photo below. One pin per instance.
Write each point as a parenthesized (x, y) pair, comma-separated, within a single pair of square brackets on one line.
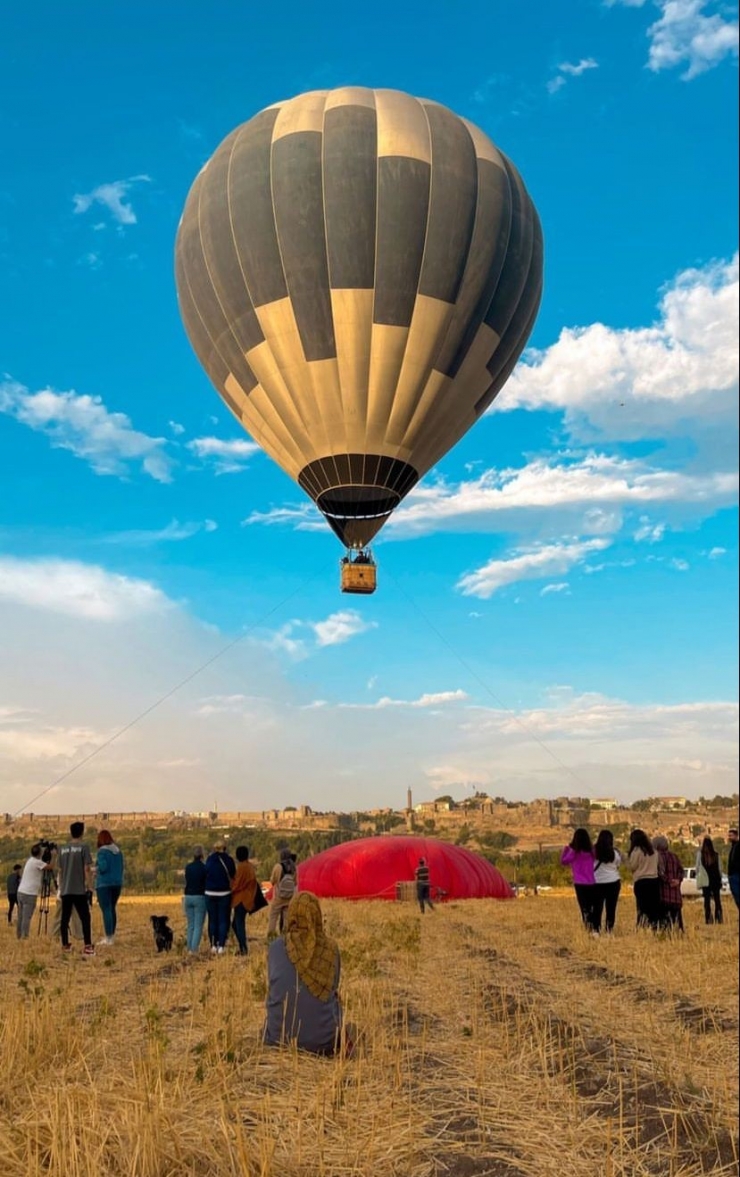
[(286, 886)]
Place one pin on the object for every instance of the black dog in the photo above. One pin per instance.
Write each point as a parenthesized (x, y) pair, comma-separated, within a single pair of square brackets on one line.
[(163, 936)]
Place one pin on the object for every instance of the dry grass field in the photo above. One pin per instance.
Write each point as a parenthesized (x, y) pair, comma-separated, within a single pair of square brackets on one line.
[(498, 1041)]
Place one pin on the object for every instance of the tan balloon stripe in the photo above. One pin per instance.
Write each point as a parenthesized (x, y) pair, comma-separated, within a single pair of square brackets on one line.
[(261, 420), (402, 126), (304, 113), (352, 311), (422, 346), (286, 359), (349, 96), (387, 348)]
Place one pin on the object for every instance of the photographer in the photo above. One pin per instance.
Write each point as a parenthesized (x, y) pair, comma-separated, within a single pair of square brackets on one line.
[(29, 887)]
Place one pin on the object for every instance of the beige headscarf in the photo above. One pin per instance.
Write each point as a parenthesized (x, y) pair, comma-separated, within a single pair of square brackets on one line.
[(312, 953)]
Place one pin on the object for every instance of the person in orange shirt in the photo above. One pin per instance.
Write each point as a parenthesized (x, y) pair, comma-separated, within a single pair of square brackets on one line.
[(243, 889)]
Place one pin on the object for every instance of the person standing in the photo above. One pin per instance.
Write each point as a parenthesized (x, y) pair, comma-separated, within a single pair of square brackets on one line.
[(108, 882), (29, 889), (423, 885), (75, 886), (12, 885), (194, 900), (733, 865), (220, 870), (579, 856), (643, 862), (709, 878), (284, 886), (608, 881), (243, 890), (670, 876)]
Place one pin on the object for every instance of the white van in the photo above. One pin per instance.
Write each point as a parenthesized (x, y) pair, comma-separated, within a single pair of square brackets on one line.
[(688, 883)]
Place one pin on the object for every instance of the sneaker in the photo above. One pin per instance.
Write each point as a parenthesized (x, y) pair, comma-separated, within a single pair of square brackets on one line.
[(88, 950), (214, 950), (220, 951), (66, 947), (104, 941)]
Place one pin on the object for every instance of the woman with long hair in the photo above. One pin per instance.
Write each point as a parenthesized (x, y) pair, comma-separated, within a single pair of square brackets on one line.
[(108, 882), (608, 881), (579, 856), (709, 878), (643, 862)]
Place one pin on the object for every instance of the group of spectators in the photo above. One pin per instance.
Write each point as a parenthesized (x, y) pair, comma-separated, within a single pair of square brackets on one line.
[(69, 875), (227, 892), (657, 875)]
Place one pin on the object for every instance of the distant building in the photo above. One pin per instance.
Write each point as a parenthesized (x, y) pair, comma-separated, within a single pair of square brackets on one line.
[(604, 803), (672, 802)]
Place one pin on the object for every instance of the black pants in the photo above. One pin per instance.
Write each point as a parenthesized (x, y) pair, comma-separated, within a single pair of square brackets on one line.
[(79, 904), (647, 902), (586, 896), (710, 893), (239, 927), (12, 902), (607, 896), (672, 917), (423, 891)]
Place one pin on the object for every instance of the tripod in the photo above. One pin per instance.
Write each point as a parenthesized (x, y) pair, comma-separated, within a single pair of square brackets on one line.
[(44, 901)]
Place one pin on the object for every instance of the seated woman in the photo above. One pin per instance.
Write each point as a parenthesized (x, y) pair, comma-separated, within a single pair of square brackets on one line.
[(302, 981)]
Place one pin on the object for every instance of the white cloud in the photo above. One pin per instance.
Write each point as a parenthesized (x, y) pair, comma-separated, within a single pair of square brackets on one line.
[(568, 69), (83, 425), (561, 586), (679, 564), (92, 260), (176, 428), (438, 699), (715, 553), (47, 742), (647, 532), (675, 378), (113, 197), (228, 457), (685, 34), (77, 590), (340, 627), (300, 516), (172, 533), (557, 493), (503, 499), (536, 564)]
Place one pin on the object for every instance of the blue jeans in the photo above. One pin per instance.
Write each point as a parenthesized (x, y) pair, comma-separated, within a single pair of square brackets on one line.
[(219, 914), (107, 899), (734, 881), (195, 914), (239, 926)]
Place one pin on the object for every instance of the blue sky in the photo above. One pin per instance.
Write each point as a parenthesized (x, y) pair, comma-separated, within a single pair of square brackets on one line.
[(557, 603)]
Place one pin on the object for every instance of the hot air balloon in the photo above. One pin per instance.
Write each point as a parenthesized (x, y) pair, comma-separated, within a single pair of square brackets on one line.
[(373, 868), (358, 272)]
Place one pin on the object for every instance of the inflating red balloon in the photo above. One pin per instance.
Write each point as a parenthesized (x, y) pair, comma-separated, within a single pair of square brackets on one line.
[(370, 868)]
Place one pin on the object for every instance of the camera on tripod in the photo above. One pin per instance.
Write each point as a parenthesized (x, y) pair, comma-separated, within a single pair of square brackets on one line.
[(47, 849)]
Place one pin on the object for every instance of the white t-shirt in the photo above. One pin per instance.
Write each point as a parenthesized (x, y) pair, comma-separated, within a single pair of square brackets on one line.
[(30, 883), (608, 872)]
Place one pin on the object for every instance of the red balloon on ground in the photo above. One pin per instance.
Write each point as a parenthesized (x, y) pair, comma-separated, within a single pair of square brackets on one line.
[(369, 868)]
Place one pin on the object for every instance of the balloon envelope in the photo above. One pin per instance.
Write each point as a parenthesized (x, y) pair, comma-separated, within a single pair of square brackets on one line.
[(369, 868), (358, 271)]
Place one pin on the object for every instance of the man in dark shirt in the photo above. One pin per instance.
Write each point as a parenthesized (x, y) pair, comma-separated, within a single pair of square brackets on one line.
[(14, 879), (75, 886), (423, 887), (733, 865)]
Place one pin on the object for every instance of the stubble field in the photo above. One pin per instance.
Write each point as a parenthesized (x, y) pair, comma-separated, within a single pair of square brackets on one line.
[(498, 1040)]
